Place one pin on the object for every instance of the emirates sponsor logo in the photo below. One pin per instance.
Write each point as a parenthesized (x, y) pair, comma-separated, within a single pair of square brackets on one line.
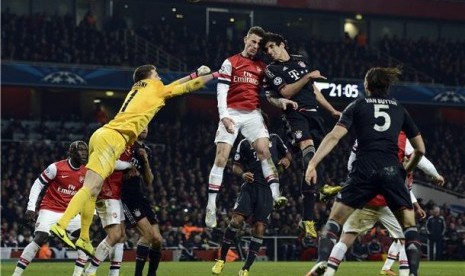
[(247, 77)]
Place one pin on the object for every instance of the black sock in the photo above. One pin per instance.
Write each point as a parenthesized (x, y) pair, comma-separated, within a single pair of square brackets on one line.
[(308, 205), (154, 261), (254, 247), (228, 240), (308, 192), (329, 236), (413, 249), (142, 252)]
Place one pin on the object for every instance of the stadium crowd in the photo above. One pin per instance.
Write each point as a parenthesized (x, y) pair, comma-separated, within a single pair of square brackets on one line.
[(45, 38), (181, 154)]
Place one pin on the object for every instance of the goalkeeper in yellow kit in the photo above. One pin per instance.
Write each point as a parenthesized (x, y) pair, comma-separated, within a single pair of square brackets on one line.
[(146, 98)]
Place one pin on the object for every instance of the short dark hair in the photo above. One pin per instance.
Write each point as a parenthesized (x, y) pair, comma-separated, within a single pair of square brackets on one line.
[(380, 78), (272, 37), (143, 72), (74, 146), (256, 30)]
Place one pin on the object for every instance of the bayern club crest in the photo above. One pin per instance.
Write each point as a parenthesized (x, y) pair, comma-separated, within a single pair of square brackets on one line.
[(298, 134), (301, 64), (81, 179)]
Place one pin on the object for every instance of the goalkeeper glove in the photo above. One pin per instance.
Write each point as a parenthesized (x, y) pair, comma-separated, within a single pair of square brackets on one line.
[(202, 70)]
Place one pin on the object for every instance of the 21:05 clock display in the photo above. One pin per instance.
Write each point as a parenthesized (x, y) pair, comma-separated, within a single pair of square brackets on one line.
[(343, 90)]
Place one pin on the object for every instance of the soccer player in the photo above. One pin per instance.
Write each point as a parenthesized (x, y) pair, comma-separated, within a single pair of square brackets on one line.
[(138, 209), (361, 220), (60, 181), (146, 98), (376, 121), (290, 77), (110, 210), (255, 199), (239, 84)]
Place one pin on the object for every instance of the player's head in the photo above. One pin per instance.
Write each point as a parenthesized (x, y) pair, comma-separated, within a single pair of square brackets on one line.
[(143, 135), (252, 41), (78, 152), (274, 45), (147, 71), (378, 80)]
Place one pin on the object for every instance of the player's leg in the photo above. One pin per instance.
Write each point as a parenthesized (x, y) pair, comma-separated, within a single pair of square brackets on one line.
[(398, 198), (74, 228), (355, 194), (155, 250), (30, 251), (149, 245), (254, 247), (105, 147), (360, 221), (256, 132), (110, 214), (228, 240), (263, 206), (308, 191), (224, 141), (389, 221), (41, 234), (116, 253), (242, 210)]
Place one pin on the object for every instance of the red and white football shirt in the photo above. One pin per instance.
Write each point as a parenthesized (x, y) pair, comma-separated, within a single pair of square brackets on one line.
[(62, 181)]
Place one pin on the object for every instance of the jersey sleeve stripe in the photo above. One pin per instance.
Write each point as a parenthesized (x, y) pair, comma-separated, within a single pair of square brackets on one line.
[(43, 180), (224, 81)]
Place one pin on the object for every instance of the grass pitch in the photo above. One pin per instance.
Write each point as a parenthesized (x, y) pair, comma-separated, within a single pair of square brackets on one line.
[(258, 269)]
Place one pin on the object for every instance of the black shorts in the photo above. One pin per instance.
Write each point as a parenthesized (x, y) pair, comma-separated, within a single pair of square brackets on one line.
[(137, 207), (254, 201), (304, 125), (361, 187)]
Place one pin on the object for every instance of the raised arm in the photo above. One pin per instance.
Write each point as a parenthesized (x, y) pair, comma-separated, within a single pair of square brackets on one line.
[(326, 146)]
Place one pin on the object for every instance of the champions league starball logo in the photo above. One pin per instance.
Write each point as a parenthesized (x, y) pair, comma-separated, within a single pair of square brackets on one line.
[(63, 77), (449, 97)]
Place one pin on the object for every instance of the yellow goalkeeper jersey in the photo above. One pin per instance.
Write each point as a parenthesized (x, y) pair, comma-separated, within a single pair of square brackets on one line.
[(144, 100)]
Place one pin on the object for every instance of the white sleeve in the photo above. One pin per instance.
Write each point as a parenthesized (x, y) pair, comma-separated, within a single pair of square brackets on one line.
[(408, 148), (39, 184), (222, 88), (412, 197), (352, 158), (122, 165), (427, 167)]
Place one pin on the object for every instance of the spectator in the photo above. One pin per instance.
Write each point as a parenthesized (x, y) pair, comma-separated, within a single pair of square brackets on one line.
[(436, 227)]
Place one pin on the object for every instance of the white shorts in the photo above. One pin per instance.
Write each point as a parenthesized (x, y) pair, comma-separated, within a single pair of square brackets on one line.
[(362, 220), (47, 217), (110, 211), (249, 123)]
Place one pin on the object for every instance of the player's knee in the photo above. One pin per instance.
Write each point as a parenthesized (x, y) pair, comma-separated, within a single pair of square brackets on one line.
[(259, 229), (156, 240), (236, 221), (331, 230), (40, 238), (263, 153), (113, 234)]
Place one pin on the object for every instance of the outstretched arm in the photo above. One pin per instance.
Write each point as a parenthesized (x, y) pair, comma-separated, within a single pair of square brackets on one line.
[(189, 86), (325, 104), (326, 146)]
